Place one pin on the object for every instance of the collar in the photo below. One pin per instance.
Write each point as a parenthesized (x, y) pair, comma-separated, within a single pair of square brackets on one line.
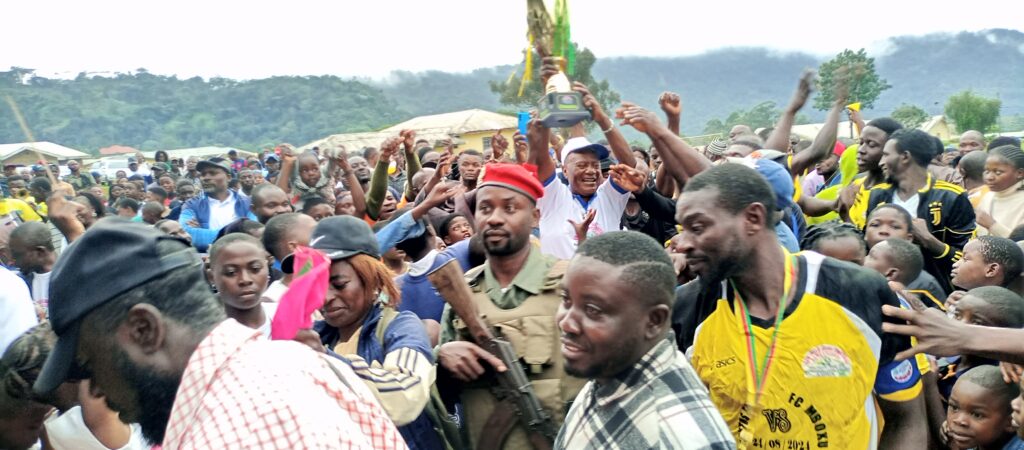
[(584, 202), (232, 195), (417, 268), (656, 361), (1009, 191), (530, 277)]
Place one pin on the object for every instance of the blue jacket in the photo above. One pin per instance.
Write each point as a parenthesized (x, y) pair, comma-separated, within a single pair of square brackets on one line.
[(198, 208), (404, 331)]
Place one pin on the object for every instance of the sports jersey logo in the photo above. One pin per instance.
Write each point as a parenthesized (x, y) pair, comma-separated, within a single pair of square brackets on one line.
[(902, 372), (935, 208), (777, 420), (826, 361)]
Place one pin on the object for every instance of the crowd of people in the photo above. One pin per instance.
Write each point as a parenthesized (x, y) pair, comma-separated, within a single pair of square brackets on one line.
[(759, 291)]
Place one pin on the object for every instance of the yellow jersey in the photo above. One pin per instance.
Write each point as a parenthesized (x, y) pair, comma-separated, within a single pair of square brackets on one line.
[(830, 358)]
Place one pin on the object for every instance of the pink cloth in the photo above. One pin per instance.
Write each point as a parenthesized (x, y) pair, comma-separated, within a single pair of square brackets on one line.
[(305, 294)]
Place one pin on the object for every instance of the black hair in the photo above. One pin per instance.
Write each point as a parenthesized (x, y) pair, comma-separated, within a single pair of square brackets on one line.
[(645, 265), (423, 151), (643, 154), (469, 152), (367, 151), (181, 294), (243, 225), (441, 226), (158, 191), (33, 234), (990, 378), (153, 207), (136, 177), (313, 202), (828, 231), (94, 202), (916, 142), (1004, 252), (126, 202), (275, 231), (1017, 234), (973, 165), (156, 156), (40, 183), (938, 147), (886, 124), (233, 184), (907, 257), (185, 182), (16, 178), (1000, 141), (1007, 307), (908, 220), (23, 360), (1010, 153), (229, 239), (738, 186)]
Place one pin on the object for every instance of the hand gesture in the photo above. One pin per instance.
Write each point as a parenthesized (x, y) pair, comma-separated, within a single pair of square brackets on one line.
[(803, 90), (582, 226), (520, 145), (936, 334), (341, 159), (919, 228), (641, 119), (498, 146), (389, 147), (1011, 372), (845, 76), (444, 191), (287, 152), (408, 139), (462, 359), (538, 136), (548, 68), (984, 218), (591, 103), (629, 178), (669, 102)]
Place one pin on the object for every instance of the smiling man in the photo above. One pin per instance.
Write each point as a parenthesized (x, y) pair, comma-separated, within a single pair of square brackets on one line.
[(203, 216), (134, 314), (614, 322)]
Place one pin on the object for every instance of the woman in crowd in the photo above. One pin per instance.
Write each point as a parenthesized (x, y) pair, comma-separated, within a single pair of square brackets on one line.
[(1002, 208)]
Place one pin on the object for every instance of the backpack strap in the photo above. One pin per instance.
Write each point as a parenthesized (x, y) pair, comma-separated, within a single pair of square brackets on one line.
[(387, 314)]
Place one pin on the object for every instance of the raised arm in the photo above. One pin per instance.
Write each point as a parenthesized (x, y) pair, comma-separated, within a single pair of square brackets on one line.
[(284, 177), (412, 161), (537, 137), (619, 146), (825, 141), (779, 139), (379, 181), (669, 102), (355, 189), (682, 161)]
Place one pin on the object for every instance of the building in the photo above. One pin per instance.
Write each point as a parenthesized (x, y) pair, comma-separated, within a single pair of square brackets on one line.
[(470, 129), (939, 127), (28, 153), (936, 126)]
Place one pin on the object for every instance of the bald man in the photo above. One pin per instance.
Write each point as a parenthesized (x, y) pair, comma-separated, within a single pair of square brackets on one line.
[(971, 141), (739, 130), (32, 250)]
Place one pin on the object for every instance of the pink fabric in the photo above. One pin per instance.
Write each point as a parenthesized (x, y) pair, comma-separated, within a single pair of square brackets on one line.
[(305, 294)]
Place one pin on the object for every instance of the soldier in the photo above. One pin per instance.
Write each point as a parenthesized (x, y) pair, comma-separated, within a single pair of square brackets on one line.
[(516, 292)]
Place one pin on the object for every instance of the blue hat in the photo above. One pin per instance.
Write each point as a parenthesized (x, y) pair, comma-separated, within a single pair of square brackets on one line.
[(779, 179)]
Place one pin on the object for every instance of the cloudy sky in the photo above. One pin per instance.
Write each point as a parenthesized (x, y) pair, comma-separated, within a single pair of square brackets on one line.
[(255, 39)]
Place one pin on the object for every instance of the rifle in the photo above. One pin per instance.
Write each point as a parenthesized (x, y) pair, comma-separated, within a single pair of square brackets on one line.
[(450, 282)]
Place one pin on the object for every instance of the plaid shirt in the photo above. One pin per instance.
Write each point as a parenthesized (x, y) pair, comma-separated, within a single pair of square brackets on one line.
[(240, 391), (659, 403)]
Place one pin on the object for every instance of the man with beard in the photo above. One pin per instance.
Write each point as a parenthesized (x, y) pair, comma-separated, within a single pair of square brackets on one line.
[(203, 216), (247, 180), (564, 208), (614, 320), (828, 313), (133, 313), (191, 173), (78, 179), (516, 290), (942, 212), (361, 169)]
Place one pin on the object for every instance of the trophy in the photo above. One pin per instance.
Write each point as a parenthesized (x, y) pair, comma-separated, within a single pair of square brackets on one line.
[(560, 107)]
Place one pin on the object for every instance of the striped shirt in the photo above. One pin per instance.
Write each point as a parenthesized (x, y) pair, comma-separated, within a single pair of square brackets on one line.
[(659, 403)]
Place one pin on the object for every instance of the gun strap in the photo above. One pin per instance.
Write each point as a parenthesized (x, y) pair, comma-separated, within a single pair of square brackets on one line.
[(500, 424)]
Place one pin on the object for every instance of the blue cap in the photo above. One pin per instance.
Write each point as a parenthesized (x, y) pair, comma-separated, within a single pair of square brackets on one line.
[(779, 179)]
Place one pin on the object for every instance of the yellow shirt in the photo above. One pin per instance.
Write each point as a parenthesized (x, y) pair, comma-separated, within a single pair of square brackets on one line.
[(10, 205)]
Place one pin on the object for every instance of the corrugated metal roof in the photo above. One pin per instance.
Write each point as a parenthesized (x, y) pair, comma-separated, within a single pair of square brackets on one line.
[(46, 148)]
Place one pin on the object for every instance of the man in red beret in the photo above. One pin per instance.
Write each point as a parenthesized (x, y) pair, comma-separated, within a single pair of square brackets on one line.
[(516, 291)]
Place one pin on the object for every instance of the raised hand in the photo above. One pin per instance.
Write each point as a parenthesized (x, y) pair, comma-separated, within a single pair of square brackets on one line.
[(548, 68), (641, 119), (628, 178), (591, 103), (803, 90), (408, 139), (537, 136), (341, 159), (287, 152), (520, 145), (582, 226), (389, 147), (670, 104), (444, 165), (444, 191), (498, 146)]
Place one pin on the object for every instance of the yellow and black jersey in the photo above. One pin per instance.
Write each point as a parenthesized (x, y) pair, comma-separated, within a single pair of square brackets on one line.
[(950, 217), (830, 357)]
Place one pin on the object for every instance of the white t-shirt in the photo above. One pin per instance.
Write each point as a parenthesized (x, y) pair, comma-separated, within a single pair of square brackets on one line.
[(910, 204), (558, 205), (269, 309), (41, 288), (274, 291), (68, 431), (222, 212), (17, 313)]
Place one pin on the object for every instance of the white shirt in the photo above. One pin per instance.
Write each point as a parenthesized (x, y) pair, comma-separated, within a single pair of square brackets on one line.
[(558, 205), (269, 309), (41, 288), (68, 431), (222, 212), (910, 204), (275, 291), (417, 268), (17, 313)]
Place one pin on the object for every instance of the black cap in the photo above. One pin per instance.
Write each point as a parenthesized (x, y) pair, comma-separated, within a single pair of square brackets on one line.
[(217, 162), (340, 237), (110, 259)]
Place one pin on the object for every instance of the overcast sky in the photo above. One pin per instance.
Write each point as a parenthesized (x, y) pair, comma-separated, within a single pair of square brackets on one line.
[(255, 39)]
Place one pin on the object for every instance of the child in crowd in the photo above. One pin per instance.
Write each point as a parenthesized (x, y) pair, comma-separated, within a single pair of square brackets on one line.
[(980, 413), (317, 208), (1002, 208), (988, 261), (239, 270), (454, 228), (891, 221), (901, 261), (839, 240)]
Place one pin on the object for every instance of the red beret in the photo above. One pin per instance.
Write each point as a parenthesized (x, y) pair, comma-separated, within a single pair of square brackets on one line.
[(521, 178)]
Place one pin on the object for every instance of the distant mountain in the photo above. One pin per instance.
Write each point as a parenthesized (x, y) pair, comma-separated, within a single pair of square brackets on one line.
[(923, 70)]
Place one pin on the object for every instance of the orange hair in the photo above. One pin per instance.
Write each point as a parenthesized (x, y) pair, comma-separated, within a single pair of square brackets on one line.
[(375, 277)]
